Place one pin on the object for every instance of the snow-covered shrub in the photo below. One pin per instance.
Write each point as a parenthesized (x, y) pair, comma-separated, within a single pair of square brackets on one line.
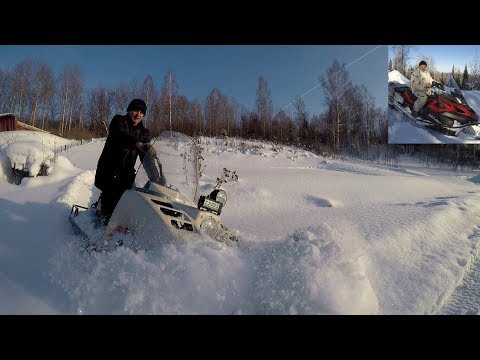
[(31, 157), (227, 174)]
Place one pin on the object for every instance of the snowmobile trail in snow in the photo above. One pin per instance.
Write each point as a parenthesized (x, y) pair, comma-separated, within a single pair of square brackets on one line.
[(422, 124), (465, 299), (434, 136)]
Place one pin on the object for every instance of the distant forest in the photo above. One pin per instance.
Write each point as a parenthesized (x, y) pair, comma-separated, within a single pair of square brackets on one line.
[(59, 103), (351, 125)]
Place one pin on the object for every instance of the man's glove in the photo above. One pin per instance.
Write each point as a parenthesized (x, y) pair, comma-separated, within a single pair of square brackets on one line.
[(140, 147)]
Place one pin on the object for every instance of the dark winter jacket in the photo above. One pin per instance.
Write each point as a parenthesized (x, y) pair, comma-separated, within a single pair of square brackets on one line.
[(116, 165)]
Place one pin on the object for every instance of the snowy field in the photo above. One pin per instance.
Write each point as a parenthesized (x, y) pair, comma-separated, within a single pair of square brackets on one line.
[(404, 130), (396, 241)]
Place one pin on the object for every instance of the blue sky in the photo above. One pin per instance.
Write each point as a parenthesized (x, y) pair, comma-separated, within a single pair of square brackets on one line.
[(290, 70), (445, 56)]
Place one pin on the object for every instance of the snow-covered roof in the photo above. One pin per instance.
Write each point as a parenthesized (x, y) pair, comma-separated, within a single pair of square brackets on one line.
[(6, 114)]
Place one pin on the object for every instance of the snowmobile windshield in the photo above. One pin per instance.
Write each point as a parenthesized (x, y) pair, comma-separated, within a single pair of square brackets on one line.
[(172, 163), (451, 86)]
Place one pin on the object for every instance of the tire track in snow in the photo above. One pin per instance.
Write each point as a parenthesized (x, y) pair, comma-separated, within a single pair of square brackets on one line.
[(465, 299)]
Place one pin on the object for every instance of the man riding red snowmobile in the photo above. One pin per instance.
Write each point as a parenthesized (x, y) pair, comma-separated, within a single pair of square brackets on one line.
[(445, 110)]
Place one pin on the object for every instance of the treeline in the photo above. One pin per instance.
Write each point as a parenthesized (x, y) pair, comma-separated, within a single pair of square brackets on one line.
[(453, 156), (351, 123)]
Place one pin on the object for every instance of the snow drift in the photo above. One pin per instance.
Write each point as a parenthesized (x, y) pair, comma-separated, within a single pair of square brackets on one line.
[(397, 240), (397, 76)]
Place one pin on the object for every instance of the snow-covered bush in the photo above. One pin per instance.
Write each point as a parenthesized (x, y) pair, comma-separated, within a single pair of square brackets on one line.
[(30, 156)]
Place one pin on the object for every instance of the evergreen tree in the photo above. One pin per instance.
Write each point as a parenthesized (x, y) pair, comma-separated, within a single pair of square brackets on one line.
[(465, 84)]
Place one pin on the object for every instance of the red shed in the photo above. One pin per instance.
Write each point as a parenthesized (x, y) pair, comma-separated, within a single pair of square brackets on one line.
[(8, 122)]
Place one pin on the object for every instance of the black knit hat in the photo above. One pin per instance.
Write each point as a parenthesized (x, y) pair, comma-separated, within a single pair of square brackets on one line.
[(422, 63), (137, 104)]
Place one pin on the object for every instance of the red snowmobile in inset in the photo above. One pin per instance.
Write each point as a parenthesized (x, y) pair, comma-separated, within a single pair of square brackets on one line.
[(446, 109)]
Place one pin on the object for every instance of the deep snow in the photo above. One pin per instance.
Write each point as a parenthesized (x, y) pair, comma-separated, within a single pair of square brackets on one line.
[(397, 241)]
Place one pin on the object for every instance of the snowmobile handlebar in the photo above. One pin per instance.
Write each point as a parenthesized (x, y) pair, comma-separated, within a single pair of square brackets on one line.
[(438, 85)]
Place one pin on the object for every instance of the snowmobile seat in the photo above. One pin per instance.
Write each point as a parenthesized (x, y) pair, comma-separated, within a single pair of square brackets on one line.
[(411, 95), (400, 88)]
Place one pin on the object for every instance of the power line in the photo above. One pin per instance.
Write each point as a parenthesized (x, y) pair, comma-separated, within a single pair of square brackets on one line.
[(353, 62)]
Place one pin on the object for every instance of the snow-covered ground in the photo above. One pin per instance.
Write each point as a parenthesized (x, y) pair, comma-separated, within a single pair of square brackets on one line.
[(404, 130), (396, 241)]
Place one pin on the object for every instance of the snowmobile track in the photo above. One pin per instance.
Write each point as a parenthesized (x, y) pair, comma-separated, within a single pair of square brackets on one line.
[(465, 299)]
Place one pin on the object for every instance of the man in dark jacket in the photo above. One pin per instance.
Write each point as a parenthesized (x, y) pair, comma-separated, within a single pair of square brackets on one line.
[(126, 140)]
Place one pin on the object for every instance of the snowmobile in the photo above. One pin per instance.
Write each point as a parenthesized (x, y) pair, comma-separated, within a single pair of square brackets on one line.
[(162, 205), (445, 111)]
